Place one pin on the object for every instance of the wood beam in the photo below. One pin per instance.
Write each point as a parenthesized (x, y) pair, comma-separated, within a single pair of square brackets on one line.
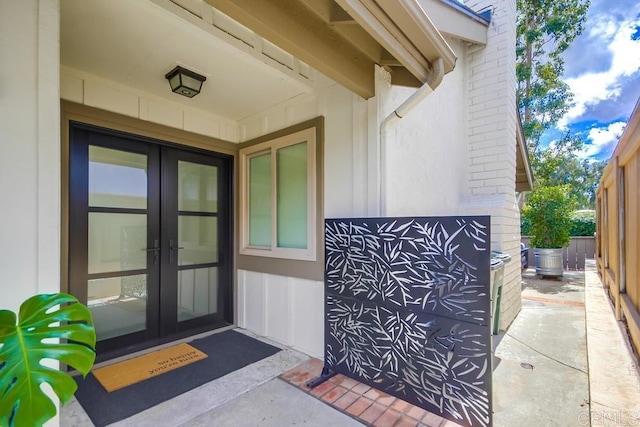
[(338, 15), (402, 77), (293, 27)]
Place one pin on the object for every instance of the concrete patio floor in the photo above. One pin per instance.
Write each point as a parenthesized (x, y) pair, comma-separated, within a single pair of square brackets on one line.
[(564, 361), (541, 377)]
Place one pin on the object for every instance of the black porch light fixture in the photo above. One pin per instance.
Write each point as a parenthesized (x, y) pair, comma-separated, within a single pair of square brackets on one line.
[(185, 82)]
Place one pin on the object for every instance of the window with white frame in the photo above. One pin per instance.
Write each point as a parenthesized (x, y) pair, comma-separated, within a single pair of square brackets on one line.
[(278, 196)]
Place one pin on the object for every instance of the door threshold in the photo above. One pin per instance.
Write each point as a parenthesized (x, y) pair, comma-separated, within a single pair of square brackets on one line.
[(115, 356)]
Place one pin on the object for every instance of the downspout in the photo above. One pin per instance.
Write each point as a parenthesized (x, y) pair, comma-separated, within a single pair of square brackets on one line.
[(433, 81)]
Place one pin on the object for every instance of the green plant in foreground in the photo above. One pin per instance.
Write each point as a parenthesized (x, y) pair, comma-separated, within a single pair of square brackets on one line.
[(50, 326), (548, 210)]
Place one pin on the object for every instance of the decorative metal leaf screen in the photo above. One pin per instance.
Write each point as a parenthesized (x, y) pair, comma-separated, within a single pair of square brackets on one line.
[(408, 310)]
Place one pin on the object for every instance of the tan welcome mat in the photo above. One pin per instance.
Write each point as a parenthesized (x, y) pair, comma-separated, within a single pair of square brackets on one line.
[(123, 374)]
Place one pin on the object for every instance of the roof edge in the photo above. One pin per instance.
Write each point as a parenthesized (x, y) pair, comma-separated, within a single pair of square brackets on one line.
[(483, 17)]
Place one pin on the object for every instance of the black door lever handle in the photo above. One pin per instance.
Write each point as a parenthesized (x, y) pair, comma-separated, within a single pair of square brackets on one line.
[(172, 249), (155, 249)]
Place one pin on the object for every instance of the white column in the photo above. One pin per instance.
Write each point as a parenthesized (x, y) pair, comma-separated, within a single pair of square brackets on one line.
[(492, 140), (30, 149)]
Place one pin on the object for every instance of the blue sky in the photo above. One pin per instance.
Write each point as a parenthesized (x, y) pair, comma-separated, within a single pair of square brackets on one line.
[(602, 68)]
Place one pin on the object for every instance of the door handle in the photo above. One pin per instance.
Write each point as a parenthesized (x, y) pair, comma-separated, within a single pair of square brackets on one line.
[(155, 249), (173, 248)]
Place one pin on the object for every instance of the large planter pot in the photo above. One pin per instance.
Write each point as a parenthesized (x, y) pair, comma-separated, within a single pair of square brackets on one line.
[(548, 262)]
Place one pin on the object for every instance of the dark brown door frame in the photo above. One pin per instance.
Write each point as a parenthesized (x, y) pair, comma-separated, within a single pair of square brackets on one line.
[(162, 322)]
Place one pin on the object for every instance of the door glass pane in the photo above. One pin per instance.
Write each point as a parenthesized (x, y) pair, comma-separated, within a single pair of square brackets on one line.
[(197, 292), (198, 237), (291, 177), (260, 200), (118, 305), (197, 187), (117, 179), (117, 242)]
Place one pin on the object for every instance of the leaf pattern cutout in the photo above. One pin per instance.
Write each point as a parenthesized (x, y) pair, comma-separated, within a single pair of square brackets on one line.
[(408, 310)]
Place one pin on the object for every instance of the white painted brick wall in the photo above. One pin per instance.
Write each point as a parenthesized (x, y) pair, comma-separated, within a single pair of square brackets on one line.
[(491, 106)]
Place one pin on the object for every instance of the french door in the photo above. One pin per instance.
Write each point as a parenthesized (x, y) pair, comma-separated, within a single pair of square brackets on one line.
[(149, 236)]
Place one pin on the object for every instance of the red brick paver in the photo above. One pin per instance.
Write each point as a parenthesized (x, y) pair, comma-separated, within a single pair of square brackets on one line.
[(415, 412), (553, 301), (346, 400), (386, 400), (360, 401), (348, 382), (360, 388), (388, 418), (359, 406), (406, 422), (334, 394), (323, 388), (400, 405), (372, 413), (373, 394)]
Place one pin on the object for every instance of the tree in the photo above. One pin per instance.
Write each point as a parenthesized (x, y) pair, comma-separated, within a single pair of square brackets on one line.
[(559, 164), (545, 29), (548, 212)]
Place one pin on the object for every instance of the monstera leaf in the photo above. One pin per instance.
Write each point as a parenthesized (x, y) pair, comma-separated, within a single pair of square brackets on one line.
[(52, 326)]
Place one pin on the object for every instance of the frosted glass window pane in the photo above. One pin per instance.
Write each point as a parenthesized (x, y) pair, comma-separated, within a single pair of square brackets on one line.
[(260, 200), (198, 236), (118, 305), (197, 292), (117, 242), (197, 187), (292, 196), (117, 179)]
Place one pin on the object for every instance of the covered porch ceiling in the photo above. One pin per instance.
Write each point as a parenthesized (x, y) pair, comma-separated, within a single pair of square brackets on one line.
[(344, 39), (135, 43), (254, 54)]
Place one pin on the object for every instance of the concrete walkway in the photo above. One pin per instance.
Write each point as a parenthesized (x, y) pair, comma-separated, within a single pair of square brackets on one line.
[(541, 375), (614, 377), (564, 361)]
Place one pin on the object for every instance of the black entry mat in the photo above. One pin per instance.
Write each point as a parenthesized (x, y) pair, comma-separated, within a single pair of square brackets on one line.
[(228, 351)]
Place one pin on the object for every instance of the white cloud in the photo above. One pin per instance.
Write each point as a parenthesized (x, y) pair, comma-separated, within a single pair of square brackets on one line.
[(602, 139), (593, 87)]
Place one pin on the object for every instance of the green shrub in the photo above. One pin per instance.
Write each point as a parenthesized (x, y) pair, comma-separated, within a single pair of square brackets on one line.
[(583, 223), (548, 210)]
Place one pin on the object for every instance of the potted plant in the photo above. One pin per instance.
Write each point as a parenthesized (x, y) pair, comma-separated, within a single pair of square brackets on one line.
[(49, 326), (548, 211)]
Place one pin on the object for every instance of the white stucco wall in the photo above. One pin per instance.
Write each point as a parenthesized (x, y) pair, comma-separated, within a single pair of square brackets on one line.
[(30, 154), (427, 150)]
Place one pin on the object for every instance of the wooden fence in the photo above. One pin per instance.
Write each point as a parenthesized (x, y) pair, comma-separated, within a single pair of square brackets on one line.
[(618, 227), (573, 256)]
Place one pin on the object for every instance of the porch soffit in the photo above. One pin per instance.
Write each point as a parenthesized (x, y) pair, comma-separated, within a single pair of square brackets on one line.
[(344, 39), (125, 44)]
